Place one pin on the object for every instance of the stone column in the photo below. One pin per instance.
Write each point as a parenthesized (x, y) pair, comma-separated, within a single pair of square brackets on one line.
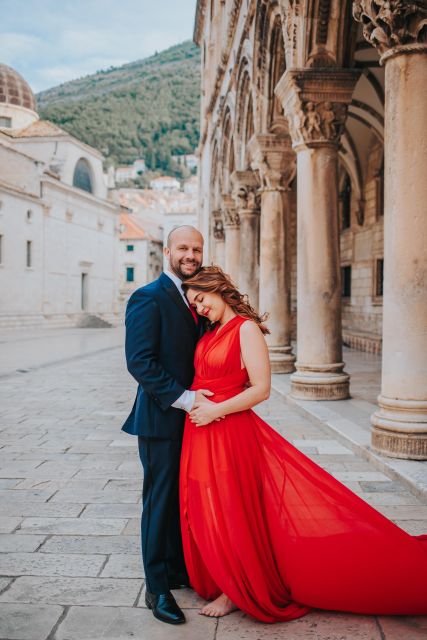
[(315, 103), (232, 238), (248, 209), (219, 239), (399, 33), (275, 161)]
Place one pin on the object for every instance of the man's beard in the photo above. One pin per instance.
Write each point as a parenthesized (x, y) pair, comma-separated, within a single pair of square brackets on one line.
[(176, 267)]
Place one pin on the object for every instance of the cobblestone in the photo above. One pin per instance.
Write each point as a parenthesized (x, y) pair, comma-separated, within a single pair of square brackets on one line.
[(70, 499)]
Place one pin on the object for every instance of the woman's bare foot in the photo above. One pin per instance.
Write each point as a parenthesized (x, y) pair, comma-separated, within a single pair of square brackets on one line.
[(219, 607)]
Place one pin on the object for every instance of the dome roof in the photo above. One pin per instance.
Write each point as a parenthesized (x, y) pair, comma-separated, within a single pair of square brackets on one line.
[(14, 89)]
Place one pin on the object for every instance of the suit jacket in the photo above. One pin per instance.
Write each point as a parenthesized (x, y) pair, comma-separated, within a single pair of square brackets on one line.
[(161, 337)]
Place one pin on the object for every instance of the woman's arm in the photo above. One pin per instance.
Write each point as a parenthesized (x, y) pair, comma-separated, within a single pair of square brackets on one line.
[(256, 360)]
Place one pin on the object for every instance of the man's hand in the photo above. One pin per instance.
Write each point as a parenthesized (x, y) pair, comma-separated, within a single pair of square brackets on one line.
[(201, 395)]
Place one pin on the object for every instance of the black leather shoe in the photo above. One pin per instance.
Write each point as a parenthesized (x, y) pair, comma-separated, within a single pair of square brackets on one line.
[(164, 607)]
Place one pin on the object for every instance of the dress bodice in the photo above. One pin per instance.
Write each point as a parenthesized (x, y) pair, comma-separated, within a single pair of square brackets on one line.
[(217, 361)]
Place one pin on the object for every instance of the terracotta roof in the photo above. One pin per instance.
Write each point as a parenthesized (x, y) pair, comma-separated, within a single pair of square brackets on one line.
[(14, 89), (135, 229), (37, 129)]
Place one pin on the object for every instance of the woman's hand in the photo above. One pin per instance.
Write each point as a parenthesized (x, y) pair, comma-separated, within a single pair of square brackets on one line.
[(204, 413)]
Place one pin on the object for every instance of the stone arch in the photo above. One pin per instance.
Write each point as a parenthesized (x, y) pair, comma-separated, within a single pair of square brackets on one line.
[(227, 150), (275, 119), (244, 114)]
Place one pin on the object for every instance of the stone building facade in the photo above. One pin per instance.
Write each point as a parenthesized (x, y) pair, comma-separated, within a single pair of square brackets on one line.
[(313, 156), (58, 227)]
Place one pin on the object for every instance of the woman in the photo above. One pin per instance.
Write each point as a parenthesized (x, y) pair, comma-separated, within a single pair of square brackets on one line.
[(265, 529)]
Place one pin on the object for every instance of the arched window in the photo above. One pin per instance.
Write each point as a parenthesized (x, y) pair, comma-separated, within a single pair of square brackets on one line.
[(82, 178), (345, 202)]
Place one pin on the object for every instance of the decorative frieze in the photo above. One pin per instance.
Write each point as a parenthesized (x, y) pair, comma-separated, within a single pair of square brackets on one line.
[(393, 26)]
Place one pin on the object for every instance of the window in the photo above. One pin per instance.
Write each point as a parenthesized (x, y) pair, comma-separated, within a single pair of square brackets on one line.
[(29, 215), (379, 277), (5, 122), (129, 274), (82, 178), (29, 254), (346, 281), (129, 247), (345, 202), (84, 291), (380, 191)]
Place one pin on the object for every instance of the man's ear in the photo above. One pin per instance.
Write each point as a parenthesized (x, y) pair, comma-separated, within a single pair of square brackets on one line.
[(166, 252)]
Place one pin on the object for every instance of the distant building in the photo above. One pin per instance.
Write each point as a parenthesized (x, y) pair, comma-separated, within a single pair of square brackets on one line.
[(140, 256), (58, 229), (189, 160), (165, 183), (191, 186), (130, 172)]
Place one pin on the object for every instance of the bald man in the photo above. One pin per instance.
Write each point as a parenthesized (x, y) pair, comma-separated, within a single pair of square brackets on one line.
[(161, 336)]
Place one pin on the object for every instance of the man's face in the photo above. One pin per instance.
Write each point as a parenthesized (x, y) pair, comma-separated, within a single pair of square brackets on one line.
[(185, 254)]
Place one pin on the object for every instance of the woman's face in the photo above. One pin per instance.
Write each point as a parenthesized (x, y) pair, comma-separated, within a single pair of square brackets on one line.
[(209, 305)]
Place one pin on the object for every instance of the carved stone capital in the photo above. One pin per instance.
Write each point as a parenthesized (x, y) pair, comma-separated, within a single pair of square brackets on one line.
[(274, 160), (315, 103), (229, 213), (393, 26), (245, 190), (218, 226)]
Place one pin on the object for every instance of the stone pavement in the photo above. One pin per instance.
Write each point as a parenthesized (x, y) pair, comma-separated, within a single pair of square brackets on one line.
[(70, 494)]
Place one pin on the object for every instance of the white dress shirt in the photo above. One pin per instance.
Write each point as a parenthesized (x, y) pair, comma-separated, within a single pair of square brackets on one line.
[(186, 400)]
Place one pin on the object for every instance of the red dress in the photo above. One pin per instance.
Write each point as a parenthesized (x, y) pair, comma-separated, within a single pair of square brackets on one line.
[(268, 527)]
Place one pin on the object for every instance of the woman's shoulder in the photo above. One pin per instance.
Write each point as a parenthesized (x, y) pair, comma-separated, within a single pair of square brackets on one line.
[(248, 327)]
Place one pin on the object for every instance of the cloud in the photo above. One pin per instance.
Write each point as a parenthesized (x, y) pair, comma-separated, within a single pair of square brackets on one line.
[(50, 42)]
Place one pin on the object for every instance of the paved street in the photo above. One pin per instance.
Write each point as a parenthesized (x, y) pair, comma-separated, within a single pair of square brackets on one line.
[(70, 492)]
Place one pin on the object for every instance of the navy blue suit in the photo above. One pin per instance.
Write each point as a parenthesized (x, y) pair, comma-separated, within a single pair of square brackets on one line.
[(161, 337)]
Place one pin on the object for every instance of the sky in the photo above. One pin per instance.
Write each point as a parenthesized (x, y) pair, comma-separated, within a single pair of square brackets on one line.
[(52, 41)]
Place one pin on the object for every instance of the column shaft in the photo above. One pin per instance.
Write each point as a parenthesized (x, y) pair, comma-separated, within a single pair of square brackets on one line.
[(249, 254), (319, 374), (400, 425)]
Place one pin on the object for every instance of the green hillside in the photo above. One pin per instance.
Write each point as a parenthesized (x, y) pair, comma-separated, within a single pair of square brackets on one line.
[(148, 108)]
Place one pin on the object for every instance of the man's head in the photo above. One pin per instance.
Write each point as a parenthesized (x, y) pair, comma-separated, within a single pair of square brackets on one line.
[(184, 251)]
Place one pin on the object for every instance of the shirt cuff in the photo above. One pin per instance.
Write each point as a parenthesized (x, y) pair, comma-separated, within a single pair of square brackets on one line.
[(185, 401)]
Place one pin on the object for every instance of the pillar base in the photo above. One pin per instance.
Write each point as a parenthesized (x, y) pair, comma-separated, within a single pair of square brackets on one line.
[(282, 360), (400, 428), (320, 382)]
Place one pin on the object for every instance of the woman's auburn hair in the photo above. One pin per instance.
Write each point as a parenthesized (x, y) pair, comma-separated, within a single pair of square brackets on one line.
[(213, 280)]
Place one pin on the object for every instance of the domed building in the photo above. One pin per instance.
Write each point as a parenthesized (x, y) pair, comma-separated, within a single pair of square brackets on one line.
[(58, 227)]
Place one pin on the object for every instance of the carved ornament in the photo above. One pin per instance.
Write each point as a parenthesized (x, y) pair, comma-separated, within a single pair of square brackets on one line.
[(393, 26), (315, 103), (218, 226), (229, 213), (274, 161)]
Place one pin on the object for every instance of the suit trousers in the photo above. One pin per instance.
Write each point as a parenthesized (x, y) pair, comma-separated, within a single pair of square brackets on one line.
[(161, 542)]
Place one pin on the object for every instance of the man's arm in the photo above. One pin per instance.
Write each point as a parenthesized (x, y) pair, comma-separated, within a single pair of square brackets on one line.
[(142, 349)]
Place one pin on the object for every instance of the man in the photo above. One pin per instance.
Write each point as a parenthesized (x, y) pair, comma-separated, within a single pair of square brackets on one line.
[(161, 336)]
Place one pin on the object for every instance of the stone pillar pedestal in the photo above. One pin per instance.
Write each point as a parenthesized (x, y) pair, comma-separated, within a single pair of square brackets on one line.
[(275, 161), (315, 103), (400, 423), (232, 238), (248, 209)]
